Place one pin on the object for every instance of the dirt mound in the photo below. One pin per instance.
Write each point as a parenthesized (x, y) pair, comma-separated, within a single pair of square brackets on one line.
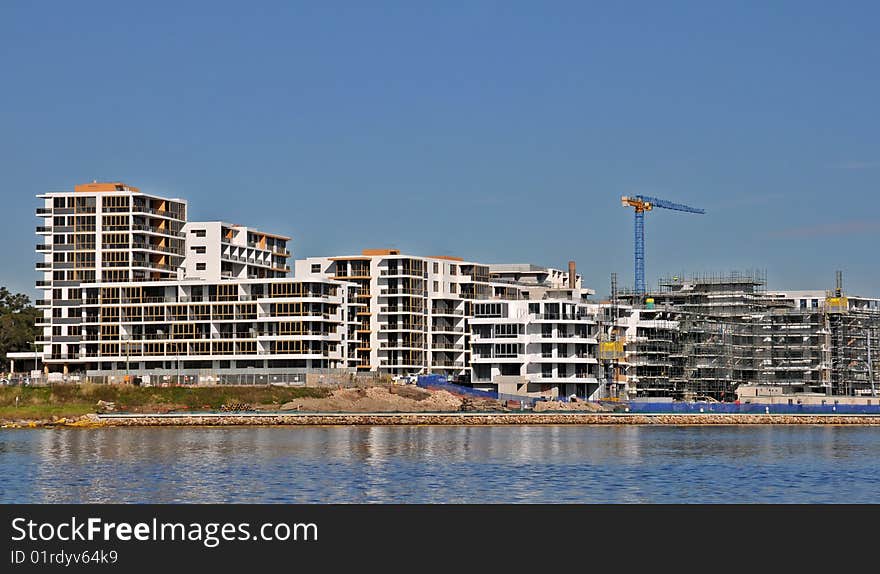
[(380, 400), (581, 406)]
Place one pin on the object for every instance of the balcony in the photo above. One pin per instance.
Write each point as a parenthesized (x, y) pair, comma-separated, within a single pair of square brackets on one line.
[(44, 266), (44, 211), (42, 303), (564, 317), (440, 311), (402, 291), (42, 284), (446, 329), (154, 229), (43, 229), (44, 247), (438, 347)]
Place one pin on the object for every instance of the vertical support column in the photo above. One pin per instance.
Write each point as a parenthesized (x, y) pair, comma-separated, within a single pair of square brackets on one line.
[(639, 244)]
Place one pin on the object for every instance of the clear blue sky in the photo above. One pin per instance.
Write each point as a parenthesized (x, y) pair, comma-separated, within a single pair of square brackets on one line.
[(496, 131)]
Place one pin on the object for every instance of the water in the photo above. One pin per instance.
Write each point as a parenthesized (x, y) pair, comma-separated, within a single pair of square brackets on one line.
[(556, 464)]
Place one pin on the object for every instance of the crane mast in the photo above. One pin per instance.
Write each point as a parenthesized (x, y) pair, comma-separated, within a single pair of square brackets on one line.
[(642, 204)]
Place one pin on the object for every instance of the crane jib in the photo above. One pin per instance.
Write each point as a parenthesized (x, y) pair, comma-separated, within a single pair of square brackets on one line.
[(641, 204)]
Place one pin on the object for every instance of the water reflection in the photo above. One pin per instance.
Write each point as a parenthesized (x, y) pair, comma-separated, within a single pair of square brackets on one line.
[(629, 464)]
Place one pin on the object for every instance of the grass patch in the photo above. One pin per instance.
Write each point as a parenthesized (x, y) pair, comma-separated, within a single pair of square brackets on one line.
[(46, 411), (75, 400)]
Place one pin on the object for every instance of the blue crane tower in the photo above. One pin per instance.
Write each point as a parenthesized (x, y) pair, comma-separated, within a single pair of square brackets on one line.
[(643, 203)]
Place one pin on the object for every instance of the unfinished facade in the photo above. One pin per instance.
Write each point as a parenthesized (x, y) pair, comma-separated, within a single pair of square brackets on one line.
[(705, 336)]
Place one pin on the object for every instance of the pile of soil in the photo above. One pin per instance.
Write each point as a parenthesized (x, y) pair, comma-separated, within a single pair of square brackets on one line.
[(581, 406), (379, 400)]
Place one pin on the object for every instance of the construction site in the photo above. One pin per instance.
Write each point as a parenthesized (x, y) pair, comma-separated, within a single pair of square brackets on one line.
[(711, 336), (704, 337)]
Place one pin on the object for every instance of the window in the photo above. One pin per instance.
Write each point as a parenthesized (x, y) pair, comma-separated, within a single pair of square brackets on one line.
[(436, 269), (201, 266), (507, 330), (316, 267), (198, 249), (436, 286), (815, 303), (199, 232)]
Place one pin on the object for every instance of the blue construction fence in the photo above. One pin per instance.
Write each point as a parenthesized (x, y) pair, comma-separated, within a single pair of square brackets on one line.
[(830, 408), (671, 407)]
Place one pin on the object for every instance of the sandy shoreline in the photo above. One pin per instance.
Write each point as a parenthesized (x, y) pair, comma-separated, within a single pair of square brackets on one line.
[(445, 419)]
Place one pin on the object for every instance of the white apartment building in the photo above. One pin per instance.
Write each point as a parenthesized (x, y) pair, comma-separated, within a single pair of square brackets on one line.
[(133, 285), (417, 314), (130, 283), (217, 250), (410, 312), (538, 347), (528, 274)]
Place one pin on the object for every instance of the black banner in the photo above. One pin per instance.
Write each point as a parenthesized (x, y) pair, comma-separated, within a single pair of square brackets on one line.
[(247, 538)]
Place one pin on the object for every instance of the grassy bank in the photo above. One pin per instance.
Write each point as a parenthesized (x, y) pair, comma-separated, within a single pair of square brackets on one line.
[(76, 400)]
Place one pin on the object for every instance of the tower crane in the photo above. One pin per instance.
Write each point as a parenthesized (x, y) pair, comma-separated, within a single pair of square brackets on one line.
[(641, 204)]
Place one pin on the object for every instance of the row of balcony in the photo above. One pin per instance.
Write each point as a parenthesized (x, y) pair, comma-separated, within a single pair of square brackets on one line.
[(402, 273)]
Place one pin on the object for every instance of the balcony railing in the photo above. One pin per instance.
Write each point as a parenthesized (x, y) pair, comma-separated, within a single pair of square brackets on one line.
[(440, 311), (44, 247), (446, 329), (154, 229), (44, 211), (563, 316), (403, 291)]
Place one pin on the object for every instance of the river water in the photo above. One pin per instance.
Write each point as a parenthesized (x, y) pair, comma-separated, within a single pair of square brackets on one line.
[(466, 464)]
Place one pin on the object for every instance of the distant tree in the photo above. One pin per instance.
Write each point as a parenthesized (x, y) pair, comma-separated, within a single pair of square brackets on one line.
[(17, 324)]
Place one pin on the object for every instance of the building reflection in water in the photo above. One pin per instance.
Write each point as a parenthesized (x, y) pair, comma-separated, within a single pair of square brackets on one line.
[(630, 464)]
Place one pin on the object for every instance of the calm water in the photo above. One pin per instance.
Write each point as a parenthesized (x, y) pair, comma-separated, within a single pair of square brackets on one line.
[(443, 464)]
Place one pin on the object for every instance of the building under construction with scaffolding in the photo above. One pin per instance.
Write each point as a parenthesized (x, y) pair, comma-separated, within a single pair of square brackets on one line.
[(705, 336)]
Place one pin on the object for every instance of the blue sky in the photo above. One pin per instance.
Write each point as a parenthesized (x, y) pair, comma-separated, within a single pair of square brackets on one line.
[(496, 131)]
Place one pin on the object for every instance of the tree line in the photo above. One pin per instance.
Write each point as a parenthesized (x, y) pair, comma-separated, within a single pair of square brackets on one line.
[(17, 324)]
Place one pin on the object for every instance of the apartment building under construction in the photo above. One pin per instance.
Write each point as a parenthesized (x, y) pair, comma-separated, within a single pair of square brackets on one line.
[(706, 336)]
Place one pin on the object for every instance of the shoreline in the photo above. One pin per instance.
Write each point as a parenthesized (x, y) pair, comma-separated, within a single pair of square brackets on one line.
[(438, 419)]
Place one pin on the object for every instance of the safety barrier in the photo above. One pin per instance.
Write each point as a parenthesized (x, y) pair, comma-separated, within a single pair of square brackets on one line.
[(676, 407)]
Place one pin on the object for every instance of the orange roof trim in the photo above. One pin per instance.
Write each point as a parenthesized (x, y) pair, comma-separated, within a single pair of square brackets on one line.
[(103, 186), (447, 257), (380, 252)]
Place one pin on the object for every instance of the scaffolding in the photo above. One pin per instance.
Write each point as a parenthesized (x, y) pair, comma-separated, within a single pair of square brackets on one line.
[(854, 327), (723, 331)]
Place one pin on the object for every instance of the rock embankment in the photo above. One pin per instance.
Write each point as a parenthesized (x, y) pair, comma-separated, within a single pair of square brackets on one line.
[(489, 419), (85, 421)]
